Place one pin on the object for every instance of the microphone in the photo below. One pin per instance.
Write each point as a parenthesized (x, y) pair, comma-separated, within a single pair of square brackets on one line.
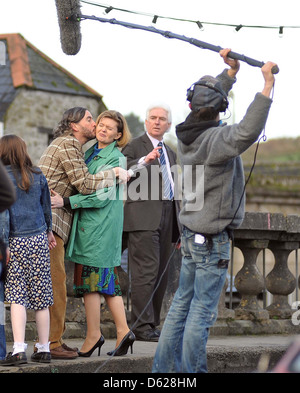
[(131, 172), (69, 17), (70, 37)]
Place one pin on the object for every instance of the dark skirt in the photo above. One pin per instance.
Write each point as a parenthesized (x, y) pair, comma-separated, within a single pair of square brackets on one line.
[(88, 279), (28, 280)]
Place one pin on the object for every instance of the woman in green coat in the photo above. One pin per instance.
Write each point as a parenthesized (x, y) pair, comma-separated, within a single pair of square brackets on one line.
[(95, 241)]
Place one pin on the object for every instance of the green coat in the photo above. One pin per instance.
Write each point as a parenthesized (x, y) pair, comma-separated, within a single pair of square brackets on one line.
[(96, 234)]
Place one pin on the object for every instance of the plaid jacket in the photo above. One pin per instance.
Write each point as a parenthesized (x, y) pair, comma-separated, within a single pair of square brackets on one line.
[(66, 172)]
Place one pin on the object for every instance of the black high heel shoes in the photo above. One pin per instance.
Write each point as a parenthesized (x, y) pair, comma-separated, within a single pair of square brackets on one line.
[(122, 348), (98, 345)]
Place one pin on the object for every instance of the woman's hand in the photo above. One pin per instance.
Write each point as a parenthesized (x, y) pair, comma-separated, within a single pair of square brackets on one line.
[(122, 174)]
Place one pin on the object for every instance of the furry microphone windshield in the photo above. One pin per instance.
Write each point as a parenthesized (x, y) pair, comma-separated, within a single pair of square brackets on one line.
[(69, 17), (69, 25)]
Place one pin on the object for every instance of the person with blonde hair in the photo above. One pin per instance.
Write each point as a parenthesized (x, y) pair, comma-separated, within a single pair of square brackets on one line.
[(95, 241), (67, 174)]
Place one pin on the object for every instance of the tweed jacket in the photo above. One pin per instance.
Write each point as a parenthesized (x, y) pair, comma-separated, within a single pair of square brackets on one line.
[(66, 172)]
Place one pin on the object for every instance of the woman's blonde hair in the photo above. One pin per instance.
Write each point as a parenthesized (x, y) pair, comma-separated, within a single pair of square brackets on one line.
[(122, 125)]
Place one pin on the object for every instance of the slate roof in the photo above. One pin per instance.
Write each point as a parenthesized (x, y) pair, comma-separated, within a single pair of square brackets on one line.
[(27, 66)]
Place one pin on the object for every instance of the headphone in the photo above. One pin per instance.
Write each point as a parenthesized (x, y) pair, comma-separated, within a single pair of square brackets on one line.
[(222, 103)]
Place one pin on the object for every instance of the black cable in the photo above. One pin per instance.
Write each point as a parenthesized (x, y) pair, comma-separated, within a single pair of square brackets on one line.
[(147, 305), (264, 138), (155, 17)]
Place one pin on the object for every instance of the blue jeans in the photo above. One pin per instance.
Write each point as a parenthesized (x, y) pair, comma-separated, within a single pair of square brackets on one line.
[(182, 343)]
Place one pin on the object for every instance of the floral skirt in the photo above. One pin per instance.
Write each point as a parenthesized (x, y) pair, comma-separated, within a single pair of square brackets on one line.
[(28, 281), (88, 279)]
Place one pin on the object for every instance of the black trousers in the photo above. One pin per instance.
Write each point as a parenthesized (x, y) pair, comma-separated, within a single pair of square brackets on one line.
[(148, 255)]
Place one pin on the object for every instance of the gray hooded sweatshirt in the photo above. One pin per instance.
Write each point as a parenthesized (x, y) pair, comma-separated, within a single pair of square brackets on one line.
[(213, 175)]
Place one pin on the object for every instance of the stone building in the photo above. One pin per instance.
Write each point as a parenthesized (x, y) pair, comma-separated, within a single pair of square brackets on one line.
[(35, 91)]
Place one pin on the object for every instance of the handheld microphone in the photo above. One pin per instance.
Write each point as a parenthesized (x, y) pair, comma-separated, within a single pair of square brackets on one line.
[(68, 12), (133, 171)]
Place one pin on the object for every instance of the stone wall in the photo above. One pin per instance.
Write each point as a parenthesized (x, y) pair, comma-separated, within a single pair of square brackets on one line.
[(33, 110), (259, 200)]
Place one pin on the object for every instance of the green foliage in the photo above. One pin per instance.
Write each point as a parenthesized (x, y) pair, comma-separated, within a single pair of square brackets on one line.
[(277, 165), (282, 150), (135, 124)]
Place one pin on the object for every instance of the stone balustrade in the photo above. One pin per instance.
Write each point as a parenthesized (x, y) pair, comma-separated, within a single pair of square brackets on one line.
[(281, 235), (260, 231), (277, 232)]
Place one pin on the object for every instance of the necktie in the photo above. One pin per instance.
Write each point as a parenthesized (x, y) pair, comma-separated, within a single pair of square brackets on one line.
[(168, 191)]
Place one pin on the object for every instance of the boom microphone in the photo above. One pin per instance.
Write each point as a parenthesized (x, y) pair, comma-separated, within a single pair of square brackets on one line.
[(193, 41), (69, 17), (68, 12)]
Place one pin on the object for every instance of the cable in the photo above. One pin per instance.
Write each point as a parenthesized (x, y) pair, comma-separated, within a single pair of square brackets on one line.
[(133, 172), (150, 300), (155, 17), (158, 283), (264, 138)]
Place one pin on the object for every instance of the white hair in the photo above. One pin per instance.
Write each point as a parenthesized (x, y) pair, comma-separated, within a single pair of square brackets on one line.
[(162, 105)]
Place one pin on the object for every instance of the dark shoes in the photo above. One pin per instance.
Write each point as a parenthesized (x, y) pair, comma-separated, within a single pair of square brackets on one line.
[(14, 360), (21, 358), (148, 335), (41, 357), (122, 348), (64, 352), (98, 345)]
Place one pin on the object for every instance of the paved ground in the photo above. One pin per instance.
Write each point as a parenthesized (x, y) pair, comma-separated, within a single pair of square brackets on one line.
[(230, 354)]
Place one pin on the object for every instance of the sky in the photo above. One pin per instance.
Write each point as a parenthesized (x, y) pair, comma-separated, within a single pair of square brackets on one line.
[(133, 68)]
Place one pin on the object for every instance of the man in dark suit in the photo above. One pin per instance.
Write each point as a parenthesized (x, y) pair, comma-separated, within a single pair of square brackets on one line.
[(150, 220)]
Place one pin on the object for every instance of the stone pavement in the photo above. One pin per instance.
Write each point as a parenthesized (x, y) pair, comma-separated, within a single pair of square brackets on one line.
[(226, 354)]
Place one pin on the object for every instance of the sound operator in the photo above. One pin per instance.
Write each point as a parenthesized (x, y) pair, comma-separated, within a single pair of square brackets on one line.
[(205, 243)]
